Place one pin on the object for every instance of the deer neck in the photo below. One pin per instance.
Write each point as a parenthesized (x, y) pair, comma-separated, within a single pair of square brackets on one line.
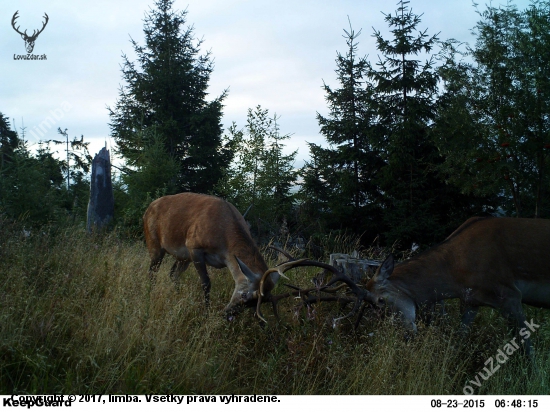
[(425, 279)]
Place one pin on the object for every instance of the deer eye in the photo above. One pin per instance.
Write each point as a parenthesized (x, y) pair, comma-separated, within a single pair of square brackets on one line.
[(382, 301)]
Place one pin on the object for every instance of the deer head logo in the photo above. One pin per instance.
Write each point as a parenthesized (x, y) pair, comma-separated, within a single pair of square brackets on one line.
[(29, 40)]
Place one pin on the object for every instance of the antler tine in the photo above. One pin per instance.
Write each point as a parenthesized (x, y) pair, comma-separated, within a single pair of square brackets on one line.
[(275, 300), (259, 310), (283, 252), (281, 269), (356, 306), (361, 312)]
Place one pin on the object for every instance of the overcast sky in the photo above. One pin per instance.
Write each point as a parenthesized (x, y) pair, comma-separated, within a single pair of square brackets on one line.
[(270, 53)]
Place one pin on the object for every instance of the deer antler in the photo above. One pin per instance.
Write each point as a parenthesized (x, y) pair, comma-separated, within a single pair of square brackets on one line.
[(281, 269), (361, 294), (29, 40), (15, 16), (306, 298), (43, 26), (34, 33)]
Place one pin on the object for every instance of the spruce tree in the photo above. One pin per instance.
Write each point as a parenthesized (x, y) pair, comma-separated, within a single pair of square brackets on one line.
[(166, 95), (279, 175), (29, 177), (405, 91), (339, 180), (8, 141), (493, 123)]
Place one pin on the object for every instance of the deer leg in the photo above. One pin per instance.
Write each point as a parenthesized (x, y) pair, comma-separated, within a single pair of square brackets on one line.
[(177, 269), (432, 312), (360, 316), (442, 311), (241, 287), (156, 260), (468, 314), (512, 310), (426, 313), (200, 265)]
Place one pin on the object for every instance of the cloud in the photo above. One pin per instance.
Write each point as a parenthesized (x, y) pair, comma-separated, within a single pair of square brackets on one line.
[(276, 54)]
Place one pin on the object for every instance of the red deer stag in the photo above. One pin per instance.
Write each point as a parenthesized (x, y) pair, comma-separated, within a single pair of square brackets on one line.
[(496, 262), (207, 230)]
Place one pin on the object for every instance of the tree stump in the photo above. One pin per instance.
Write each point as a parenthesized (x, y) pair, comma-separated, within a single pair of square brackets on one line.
[(353, 267)]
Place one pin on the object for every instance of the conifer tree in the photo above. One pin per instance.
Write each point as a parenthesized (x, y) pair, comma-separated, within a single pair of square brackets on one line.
[(8, 142), (405, 91), (166, 95), (262, 176), (340, 179), (31, 185), (493, 122)]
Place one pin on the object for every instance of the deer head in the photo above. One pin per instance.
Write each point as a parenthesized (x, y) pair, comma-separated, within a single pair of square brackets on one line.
[(29, 40)]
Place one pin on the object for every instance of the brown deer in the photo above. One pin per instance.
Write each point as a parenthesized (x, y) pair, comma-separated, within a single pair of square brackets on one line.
[(207, 230), (496, 262)]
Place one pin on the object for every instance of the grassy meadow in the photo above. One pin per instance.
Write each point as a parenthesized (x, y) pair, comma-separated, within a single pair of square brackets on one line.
[(78, 315)]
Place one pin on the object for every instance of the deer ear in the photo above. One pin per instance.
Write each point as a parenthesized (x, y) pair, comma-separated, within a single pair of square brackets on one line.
[(251, 276), (385, 269)]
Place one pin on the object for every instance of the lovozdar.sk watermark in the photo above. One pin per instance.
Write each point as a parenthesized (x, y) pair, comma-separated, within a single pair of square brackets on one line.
[(502, 356), (29, 39), (30, 57)]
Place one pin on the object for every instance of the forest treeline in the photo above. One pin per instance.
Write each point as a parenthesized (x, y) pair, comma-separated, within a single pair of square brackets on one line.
[(427, 135)]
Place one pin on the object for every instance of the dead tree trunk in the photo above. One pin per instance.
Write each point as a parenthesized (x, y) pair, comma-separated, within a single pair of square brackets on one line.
[(102, 204)]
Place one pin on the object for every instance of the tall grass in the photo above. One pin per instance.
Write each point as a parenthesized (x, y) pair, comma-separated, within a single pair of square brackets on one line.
[(78, 315)]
